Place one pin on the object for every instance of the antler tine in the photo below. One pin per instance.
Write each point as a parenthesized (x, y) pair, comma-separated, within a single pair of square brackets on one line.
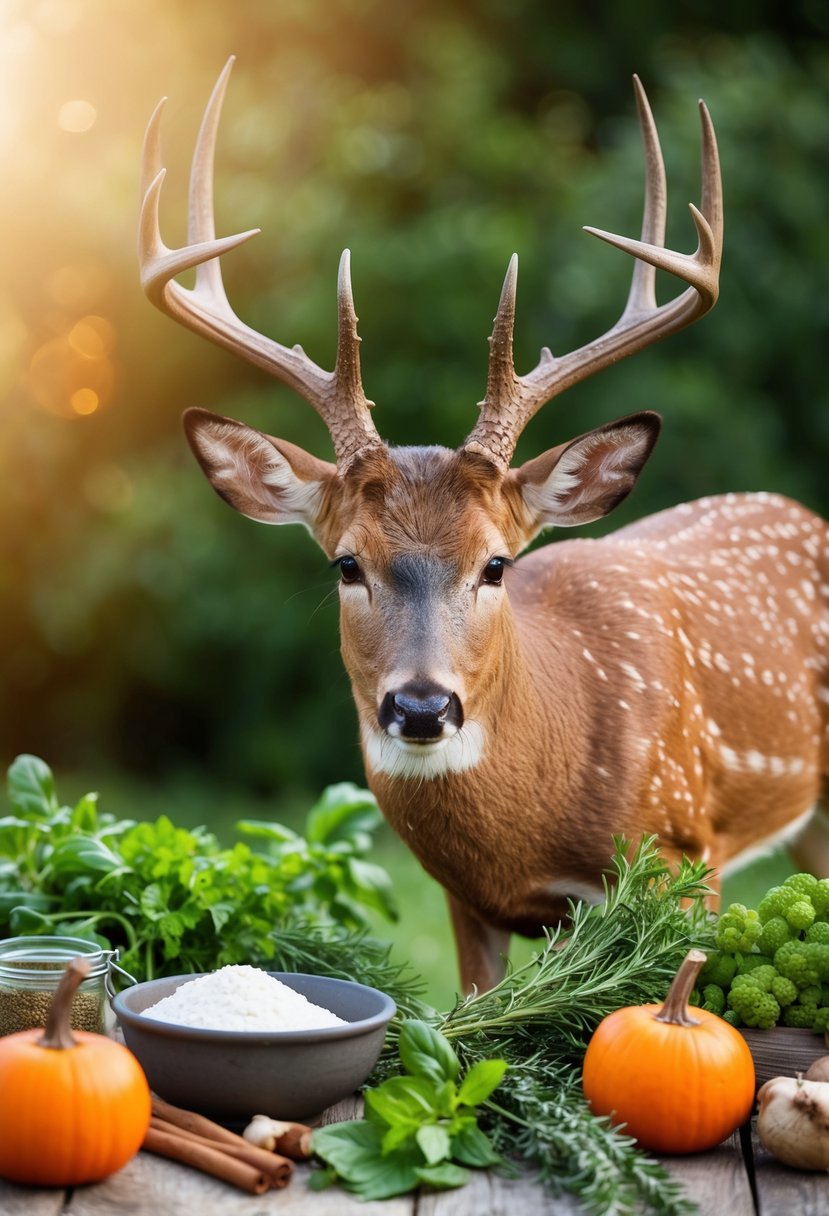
[(642, 321), (643, 281), (337, 396)]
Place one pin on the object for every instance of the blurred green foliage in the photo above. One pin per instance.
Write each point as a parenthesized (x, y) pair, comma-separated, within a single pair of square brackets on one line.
[(142, 623)]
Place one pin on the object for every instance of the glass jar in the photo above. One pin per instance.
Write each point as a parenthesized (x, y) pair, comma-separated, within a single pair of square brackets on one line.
[(30, 971)]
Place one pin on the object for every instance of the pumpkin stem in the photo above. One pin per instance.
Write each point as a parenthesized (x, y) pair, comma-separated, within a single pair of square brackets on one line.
[(58, 1031), (675, 1009)]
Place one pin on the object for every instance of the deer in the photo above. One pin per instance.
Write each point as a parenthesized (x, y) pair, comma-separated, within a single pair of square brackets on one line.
[(668, 679)]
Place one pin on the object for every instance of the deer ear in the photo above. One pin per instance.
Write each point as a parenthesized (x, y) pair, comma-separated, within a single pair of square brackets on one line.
[(585, 479), (266, 479)]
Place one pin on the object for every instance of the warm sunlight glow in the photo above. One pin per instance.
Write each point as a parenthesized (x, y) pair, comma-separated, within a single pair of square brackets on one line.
[(92, 337), (77, 116), (84, 401)]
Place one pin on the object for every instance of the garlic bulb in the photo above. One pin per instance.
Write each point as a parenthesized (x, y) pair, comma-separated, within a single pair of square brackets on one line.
[(793, 1122)]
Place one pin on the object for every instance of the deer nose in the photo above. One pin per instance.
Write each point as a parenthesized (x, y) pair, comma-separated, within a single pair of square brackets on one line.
[(419, 714)]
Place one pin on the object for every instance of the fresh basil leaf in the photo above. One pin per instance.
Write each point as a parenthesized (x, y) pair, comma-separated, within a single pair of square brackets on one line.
[(320, 1180), (472, 1147), (443, 1177), (481, 1080), (401, 1099), (85, 814), (83, 853), (32, 787), (352, 1148), (426, 1053), (396, 1174), (342, 811), (433, 1141), (403, 1130)]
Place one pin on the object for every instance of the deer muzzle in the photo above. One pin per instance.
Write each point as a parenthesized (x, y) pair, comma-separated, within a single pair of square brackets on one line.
[(420, 713)]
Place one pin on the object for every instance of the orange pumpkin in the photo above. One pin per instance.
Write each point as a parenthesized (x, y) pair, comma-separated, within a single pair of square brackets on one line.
[(75, 1106), (681, 1079)]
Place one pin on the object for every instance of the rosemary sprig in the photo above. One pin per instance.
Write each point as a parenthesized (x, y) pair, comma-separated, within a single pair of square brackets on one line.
[(624, 951)]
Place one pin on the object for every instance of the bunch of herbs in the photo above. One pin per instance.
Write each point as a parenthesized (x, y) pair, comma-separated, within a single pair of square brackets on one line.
[(174, 900), (539, 1019)]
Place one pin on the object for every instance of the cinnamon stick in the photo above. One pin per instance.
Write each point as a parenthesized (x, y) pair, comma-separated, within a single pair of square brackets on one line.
[(209, 1160), (279, 1169), (191, 1122)]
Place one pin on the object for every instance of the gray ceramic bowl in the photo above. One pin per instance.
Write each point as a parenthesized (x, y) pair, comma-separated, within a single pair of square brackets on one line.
[(231, 1075)]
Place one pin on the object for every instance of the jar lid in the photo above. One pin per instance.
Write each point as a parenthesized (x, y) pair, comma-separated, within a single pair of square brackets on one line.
[(48, 956)]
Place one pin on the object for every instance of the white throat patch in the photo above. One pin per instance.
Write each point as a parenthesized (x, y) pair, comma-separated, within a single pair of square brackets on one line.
[(453, 754)]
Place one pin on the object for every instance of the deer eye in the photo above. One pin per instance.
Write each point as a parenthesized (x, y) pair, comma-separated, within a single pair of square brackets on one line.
[(349, 569), (494, 571)]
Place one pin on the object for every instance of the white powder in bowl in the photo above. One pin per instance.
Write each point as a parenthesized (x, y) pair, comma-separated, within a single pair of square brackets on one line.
[(240, 998)]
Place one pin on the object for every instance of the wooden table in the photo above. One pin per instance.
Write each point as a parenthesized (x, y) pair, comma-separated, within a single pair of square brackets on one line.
[(725, 1182)]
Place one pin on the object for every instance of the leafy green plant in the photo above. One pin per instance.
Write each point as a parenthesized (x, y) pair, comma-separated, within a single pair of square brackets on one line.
[(420, 1127), (176, 900)]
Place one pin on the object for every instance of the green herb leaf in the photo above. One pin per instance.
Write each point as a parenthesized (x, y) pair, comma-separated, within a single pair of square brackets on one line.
[(481, 1080), (32, 787), (401, 1099), (354, 1151), (443, 1177), (373, 886), (434, 1143), (266, 830), (84, 853), (472, 1147), (320, 1180), (342, 811), (25, 921), (425, 1052)]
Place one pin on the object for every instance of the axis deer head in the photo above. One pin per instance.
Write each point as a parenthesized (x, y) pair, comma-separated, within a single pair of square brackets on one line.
[(514, 716), (423, 537)]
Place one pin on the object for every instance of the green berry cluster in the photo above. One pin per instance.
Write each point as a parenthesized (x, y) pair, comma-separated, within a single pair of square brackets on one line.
[(771, 965)]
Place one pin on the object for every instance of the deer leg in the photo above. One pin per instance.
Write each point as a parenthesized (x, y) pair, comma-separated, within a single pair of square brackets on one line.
[(810, 849), (482, 949)]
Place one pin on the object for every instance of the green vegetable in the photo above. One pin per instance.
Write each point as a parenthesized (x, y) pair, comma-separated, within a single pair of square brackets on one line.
[(738, 929), (420, 1127), (781, 972), (174, 900), (713, 999)]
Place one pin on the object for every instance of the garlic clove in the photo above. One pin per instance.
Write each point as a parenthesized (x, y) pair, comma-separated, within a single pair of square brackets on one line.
[(264, 1131)]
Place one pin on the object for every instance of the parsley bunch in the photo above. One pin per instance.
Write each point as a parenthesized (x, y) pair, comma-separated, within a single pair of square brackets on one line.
[(174, 900)]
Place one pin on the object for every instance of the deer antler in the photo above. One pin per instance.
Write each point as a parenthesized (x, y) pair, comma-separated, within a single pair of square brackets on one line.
[(337, 396), (511, 400)]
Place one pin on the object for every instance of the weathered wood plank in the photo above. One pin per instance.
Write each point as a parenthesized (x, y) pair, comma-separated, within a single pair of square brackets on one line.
[(716, 1181), (28, 1201), (782, 1191), (154, 1186), (488, 1193), (783, 1051)]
